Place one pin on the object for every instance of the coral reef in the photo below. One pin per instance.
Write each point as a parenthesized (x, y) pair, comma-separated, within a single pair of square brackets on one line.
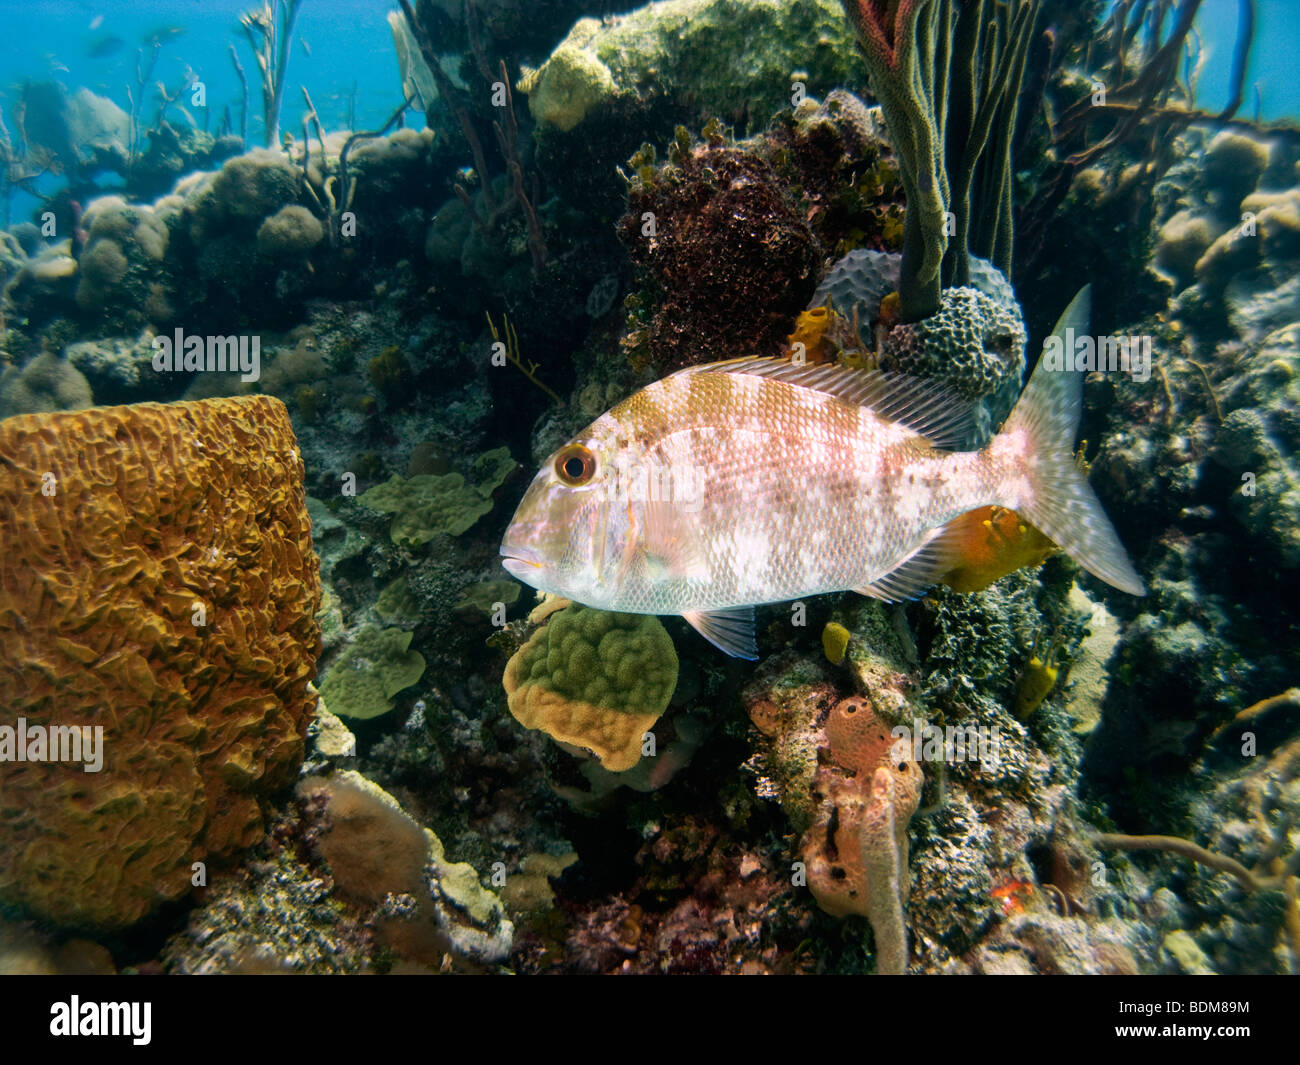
[(1020, 771), (174, 618)]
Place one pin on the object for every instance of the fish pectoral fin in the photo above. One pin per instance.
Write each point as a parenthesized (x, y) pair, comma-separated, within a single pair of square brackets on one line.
[(935, 556), (671, 549), (730, 631)]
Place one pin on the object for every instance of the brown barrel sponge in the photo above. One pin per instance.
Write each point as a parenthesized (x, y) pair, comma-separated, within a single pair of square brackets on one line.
[(157, 579)]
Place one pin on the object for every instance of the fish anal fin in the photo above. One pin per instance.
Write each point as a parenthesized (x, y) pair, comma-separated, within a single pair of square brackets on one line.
[(730, 631)]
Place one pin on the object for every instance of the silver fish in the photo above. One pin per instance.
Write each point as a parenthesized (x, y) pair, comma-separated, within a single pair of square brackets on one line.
[(729, 485)]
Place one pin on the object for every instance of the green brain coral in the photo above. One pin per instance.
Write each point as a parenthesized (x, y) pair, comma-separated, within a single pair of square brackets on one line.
[(379, 664), (623, 662)]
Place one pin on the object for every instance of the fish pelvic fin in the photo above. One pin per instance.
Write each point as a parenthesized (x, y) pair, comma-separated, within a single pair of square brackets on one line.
[(1040, 435), (731, 631)]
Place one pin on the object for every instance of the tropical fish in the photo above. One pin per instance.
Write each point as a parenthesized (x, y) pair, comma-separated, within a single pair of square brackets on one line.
[(733, 484)]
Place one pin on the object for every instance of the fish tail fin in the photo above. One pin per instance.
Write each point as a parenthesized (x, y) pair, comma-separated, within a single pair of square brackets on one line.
[(1040, 432)]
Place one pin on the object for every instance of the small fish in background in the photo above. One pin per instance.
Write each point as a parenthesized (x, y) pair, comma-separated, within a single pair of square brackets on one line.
[(306, 50), (753, 481), (95, 23), (105, 46), (162, 34)]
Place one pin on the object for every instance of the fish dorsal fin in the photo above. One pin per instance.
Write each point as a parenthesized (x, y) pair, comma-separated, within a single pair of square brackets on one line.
[(935, 556), (731, 631), (926, 407)]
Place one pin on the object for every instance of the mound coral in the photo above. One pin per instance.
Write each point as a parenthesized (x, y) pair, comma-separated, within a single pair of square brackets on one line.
[(47, 383), (671, 48), (972, 343), (595, 679), (172, 604), (291, 231), (253, 185), (125, 246), (376, 851)]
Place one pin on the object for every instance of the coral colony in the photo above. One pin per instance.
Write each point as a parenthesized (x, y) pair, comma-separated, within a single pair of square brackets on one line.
[(661, 448)]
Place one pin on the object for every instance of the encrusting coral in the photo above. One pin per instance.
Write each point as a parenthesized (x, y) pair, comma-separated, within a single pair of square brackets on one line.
[(364, 679), (428, 504), (158, 582)]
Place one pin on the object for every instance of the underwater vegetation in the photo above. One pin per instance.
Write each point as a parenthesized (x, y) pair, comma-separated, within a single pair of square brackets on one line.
[(272, 390)]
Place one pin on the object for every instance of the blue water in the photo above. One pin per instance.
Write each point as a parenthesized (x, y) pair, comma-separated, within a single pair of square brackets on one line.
[(1272, 61), (351, 49), (342, 52)]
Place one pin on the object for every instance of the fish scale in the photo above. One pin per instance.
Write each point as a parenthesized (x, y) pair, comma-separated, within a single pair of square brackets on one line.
[(799, 489)]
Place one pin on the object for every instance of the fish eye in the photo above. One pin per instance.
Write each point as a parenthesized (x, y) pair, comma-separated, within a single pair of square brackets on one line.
[(575, 465)]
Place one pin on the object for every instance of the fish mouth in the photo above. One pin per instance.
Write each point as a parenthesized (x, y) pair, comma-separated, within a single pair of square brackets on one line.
[(521, 562)]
